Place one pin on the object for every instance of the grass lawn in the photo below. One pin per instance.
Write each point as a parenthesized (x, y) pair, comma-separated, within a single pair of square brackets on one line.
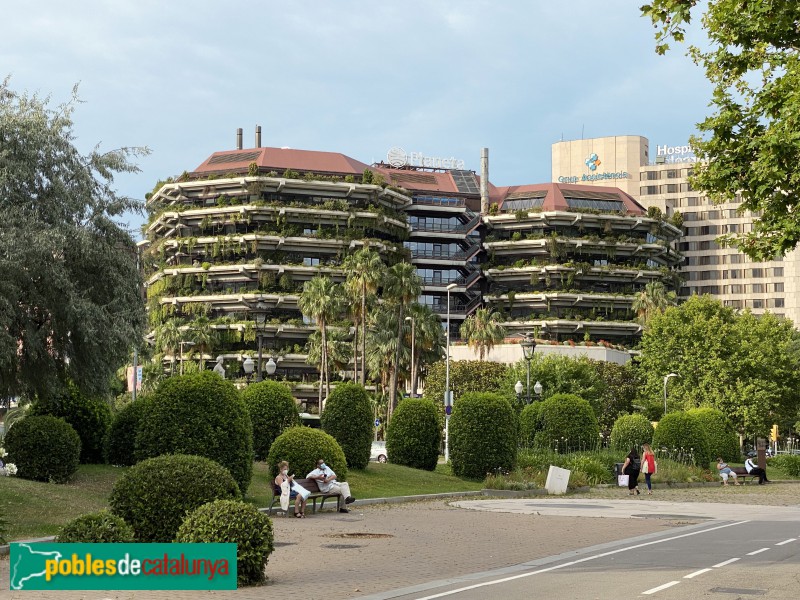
[(35, 509)]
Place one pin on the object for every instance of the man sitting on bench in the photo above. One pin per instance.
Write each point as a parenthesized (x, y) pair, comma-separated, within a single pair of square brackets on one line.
[(326, 481), (752, 469)]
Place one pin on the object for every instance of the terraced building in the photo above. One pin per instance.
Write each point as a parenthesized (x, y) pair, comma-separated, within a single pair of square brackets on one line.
[(230, 245), (567, 260)]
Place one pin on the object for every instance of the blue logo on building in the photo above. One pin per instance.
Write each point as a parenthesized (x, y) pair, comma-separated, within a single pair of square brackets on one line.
[(592, 162)]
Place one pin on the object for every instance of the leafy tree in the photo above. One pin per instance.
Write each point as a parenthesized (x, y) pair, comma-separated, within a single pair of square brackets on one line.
[(338, 353), (654, 298), (348, 418), (722, 439), (746, 366), (749, 146), (364, 270), (272, 409), (680, 432), (631, 431), (482, 330), (620, 390), (465, 376), (204, 337), (413, 436), (429, 340), (382, 345), (568, 423), (168, 339), (70, 304), (402, 287), (322, 301)]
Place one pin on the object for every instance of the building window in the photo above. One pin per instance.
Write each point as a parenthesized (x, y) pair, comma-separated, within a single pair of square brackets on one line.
[(648, 190), (777, 271)]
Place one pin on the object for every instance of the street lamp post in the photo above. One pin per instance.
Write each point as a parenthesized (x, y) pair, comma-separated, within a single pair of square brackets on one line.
[(448, 396), (528, 348), (666, 378), (260, 317), (537, 389), (182, 344), (271, 366), (248, 365), (413, 391)]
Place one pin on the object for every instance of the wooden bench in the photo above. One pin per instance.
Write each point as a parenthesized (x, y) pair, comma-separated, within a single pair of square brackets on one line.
[(741, 473), (311, 486)]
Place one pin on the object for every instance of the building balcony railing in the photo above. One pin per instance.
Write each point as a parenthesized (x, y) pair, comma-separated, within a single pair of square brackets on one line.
[(462, 281), (439, 201), (457, 308), (463, 228), (464, 254)]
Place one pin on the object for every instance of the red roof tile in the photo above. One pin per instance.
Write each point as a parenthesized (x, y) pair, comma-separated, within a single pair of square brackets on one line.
[(280, 159)]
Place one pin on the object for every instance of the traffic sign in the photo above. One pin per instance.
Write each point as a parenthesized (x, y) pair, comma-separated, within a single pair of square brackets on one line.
[(448, 409), (377, 422)]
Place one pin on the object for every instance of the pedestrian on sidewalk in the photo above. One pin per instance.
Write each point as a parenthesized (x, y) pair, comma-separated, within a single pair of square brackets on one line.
[(648, 466), (631, 468)]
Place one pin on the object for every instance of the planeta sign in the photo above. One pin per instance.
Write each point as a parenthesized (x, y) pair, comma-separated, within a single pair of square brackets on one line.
[(398, 158)]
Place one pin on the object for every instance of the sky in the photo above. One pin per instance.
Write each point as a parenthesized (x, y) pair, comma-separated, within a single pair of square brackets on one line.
[(443, 79)]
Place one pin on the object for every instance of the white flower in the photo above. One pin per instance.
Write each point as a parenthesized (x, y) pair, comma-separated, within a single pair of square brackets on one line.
[(11, 469), (3, 452)]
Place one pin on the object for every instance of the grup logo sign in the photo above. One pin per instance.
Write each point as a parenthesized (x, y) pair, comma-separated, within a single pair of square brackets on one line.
[(122, 566), (592, 162)]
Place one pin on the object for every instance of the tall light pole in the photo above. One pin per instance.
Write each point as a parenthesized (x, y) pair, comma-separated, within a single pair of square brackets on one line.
[(448, 396), (182, 344), (260, 318), (413, 381), (666, 378), (528, 348)]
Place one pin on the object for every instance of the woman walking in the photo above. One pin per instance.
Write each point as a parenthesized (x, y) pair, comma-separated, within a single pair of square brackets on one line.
[(631, 468), (648, 465)]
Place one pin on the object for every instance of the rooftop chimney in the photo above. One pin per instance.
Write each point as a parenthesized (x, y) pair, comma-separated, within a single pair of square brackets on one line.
[(484, 181), (239, 138), (258, 136)]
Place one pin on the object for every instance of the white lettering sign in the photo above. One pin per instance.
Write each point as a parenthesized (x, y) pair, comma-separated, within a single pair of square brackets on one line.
[(397, 157)]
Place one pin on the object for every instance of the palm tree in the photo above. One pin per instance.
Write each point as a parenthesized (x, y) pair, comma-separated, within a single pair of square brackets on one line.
[(483, 330), (204, 337), (321, 300), (653, 299), (429, 339), (364, 270), (338, 350), (382, 344), (403, 286), (168, 339)]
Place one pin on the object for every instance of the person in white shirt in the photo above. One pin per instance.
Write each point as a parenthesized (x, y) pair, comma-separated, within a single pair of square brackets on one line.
[(326, 481), (757, 471)]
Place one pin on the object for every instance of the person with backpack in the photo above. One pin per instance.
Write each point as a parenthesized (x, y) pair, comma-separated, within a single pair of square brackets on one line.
[(632, 467)]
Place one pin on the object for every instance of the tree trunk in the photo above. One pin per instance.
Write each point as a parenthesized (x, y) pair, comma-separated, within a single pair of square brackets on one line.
[(364, 334), (396, 371), (355, 352)]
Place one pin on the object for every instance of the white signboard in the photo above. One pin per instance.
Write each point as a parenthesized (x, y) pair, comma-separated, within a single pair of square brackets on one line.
[(398, 158), (557, 480)]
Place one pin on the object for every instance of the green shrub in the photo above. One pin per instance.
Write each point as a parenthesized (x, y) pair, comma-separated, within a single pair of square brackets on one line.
[(90, 417), (722, 438), (200, 414), (413, 435), (231, 521), (155, 495), (483, 435), (348, 418), (631, 431), (680, 432), (568, 424), (272, 409), (788, 463), (302, 447), (120, 442), (100, 527), (44, 448), (529, 423)]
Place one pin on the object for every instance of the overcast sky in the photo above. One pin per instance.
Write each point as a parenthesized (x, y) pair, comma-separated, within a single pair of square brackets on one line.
[(444, 79)]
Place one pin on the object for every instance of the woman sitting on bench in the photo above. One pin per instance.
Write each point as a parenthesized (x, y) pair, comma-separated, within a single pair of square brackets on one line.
[(725, 472), (299, 500)]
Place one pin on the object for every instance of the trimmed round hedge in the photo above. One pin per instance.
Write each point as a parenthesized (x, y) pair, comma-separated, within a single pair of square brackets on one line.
[(90, 417), (483, 435), (349, 419), (568, 423), (272, 409), (530, 422), (44, 448), (413, 435), (722, 439), (155, 495), (302, 447), (120, 442), (232, 521), (200, 414), (631, 431), (101, 527), (679, 432)]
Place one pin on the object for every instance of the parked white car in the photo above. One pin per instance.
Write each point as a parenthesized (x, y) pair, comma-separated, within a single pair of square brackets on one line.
[(378, 452)]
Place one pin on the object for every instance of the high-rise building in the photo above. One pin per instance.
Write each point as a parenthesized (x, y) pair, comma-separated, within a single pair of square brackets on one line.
[(662, 181)]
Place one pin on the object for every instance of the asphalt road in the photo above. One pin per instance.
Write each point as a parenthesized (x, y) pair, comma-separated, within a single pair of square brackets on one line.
[(716, 559)]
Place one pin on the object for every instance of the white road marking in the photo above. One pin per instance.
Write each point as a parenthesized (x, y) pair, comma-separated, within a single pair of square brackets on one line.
[(696, 573), (661, 587), (757, 552), (580, 560), (786, 541), (727, 562)]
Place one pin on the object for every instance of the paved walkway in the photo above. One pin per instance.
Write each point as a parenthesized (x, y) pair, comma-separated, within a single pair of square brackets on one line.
[(383, 547)]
